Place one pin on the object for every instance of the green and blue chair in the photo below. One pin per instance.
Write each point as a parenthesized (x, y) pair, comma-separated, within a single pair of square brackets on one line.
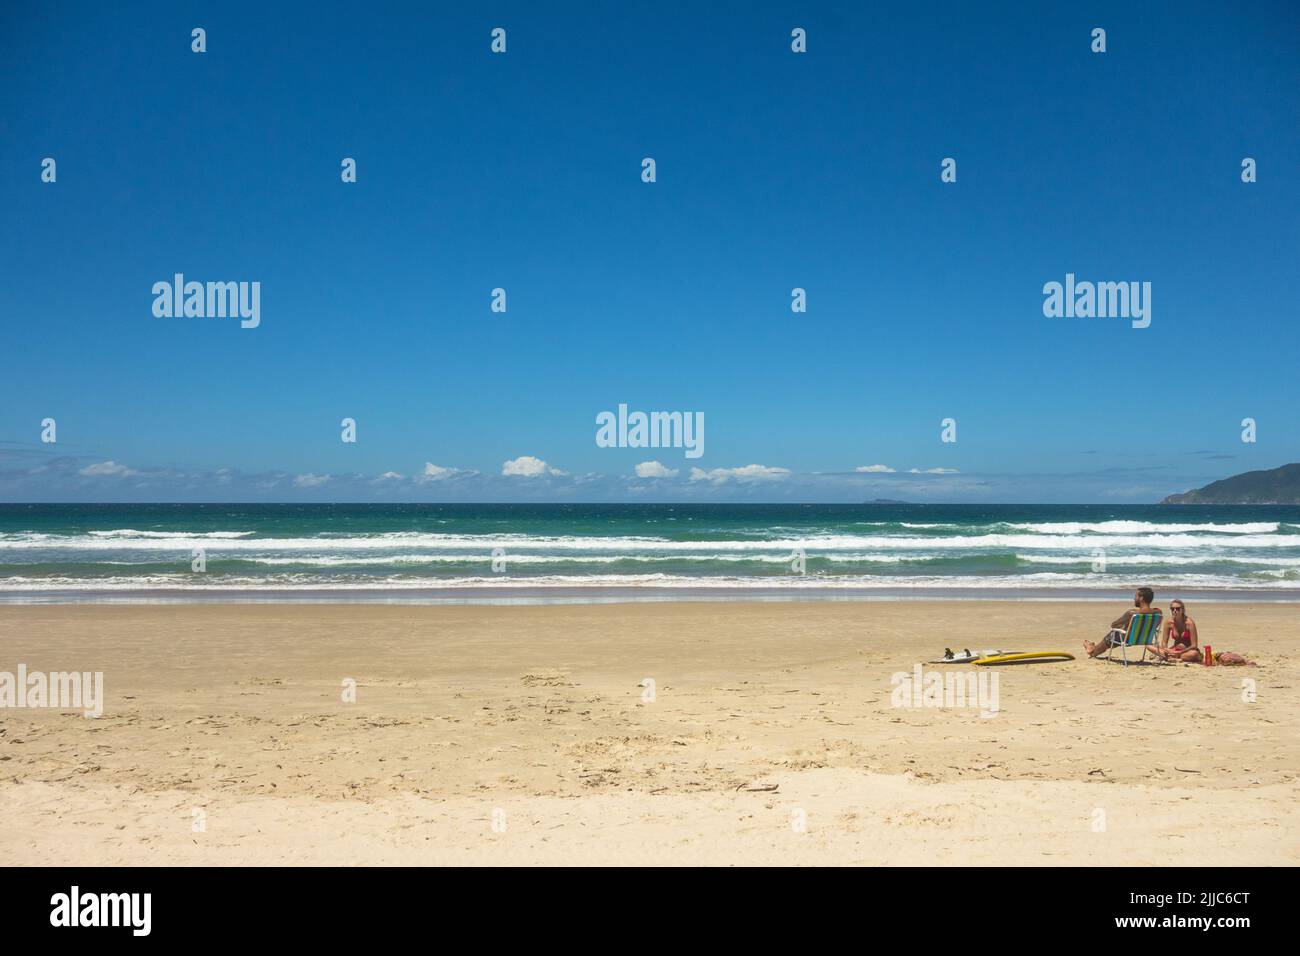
[(1143, 629)]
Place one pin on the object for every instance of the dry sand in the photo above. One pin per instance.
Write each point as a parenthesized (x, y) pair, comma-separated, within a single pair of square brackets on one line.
[(487, 735)]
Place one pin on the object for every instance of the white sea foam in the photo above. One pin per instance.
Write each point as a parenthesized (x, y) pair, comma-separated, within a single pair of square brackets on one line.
[(128, 533), (1167, 560), (632, 544), (1044, 580), (1141, 527), (485, 557), (870, 555)]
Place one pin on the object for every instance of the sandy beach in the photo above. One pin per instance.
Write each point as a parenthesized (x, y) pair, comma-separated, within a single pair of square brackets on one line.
[(692, 733)]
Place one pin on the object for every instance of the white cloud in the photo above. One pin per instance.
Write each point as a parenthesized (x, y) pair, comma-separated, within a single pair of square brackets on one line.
[(935, 471), (310, 481), (743, 473), (653, 469), (526, 466), (434, 472), (390, 476), (107, 469), (882, 469)]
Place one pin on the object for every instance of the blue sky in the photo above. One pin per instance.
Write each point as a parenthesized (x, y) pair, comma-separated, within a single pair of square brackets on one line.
[(775, 170)]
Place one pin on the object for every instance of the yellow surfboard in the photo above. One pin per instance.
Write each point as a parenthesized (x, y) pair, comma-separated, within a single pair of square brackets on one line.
[(1028, 657)]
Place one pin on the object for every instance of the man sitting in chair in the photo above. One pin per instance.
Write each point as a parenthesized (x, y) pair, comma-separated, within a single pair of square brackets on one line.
[(1119, 627)]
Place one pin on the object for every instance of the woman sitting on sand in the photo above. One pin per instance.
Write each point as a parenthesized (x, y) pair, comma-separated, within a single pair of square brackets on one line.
[(1181, 630)]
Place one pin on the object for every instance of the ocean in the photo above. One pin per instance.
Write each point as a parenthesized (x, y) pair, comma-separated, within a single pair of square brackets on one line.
[(524, 552)]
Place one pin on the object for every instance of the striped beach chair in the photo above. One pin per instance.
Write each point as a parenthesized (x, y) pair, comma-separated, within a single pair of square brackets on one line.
[(1143, 629)]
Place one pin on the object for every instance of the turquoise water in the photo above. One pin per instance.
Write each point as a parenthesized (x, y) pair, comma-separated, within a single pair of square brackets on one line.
[(652, 549)]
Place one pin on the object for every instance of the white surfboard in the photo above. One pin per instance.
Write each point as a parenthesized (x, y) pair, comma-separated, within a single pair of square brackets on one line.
[(966, 656)]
